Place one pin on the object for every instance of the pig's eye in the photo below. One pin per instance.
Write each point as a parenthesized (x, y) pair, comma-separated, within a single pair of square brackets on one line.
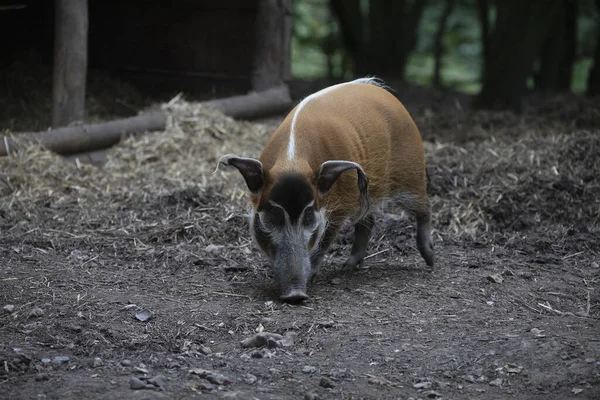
[(273, 217), (309, 219)]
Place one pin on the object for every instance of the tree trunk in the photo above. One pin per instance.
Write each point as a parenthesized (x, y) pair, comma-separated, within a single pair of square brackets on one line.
[(483, 9), (286, 49), (558, 53), (593, 82), (70, 61), (521, 28), (390, 35), (271, 50), (438, 49), (352, 28)]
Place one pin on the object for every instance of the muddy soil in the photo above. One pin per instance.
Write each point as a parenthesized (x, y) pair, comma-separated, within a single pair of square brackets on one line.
[(139, 280)]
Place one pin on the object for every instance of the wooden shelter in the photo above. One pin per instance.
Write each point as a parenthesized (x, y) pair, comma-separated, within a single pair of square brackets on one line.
[(195, 46)]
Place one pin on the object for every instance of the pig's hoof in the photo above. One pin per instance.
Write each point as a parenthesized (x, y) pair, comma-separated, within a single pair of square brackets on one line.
[(353, 263), (294, 296)]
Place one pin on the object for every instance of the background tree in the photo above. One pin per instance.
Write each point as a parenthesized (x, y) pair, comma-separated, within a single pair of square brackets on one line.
[(439, 42), (381, 37), (593, 81), (558, 51), (497, 50), (520, 30)]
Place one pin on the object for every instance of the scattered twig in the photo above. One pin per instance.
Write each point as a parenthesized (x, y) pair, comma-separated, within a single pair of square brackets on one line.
[(376, 254), (232, 294)]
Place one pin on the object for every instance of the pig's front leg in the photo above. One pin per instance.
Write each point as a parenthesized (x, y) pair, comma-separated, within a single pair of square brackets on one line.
[(317, 257)]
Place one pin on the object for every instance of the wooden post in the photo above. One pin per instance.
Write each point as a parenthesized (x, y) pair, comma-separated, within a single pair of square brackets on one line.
[(286, 41), (270, 50), (70, 61)]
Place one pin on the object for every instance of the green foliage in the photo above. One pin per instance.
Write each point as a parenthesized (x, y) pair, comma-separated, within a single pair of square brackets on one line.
[(316, 30), (313, 28), (461, 63)]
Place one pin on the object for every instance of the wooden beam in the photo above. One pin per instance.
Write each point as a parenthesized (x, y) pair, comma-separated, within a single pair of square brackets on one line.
[(272, 101), (84, 138), (70, 61)]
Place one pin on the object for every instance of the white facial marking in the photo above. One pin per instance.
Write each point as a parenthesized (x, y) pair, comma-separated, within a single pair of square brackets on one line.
[(291, 150)]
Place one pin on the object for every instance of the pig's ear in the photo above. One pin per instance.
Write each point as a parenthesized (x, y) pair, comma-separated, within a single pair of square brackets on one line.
[(329, 173), (250, 168)]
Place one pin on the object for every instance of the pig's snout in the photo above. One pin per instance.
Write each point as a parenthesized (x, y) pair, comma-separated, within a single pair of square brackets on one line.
[(294, 295)]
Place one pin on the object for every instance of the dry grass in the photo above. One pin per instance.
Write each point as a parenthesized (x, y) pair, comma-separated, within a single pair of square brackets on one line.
[(509, 181)]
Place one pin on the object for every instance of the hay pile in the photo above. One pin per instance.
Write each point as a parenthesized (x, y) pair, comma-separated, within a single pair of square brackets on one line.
[(501, 182), (504, 184), (155, 163)]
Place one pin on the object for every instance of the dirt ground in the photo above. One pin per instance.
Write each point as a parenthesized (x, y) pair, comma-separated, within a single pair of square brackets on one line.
[(139, 280)]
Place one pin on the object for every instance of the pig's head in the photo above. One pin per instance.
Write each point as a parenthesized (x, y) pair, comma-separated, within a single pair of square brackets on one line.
[(286, 221)]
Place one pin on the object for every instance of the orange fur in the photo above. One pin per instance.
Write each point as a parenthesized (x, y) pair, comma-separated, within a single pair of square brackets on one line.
[(355, 122)]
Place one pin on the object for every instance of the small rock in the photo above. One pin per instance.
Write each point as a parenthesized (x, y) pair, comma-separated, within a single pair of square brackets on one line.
[(513, 368), (336, 281), (36, 312), (136, 383), (46, 361), (422, 385), (97, 362), (336, 373), (495, 278), (326, 383), (326, 324), (141, 367), (210, 376), (206, 386), (61, 360), (537, 332), (75, 328), (590, 360), (205, 350), (143, 315), (214, 248), (159, 381), (263, 339), (217, 379), (42, 377), (126, 363), (311, 396), (250, 379), (309, 369), (496, 382), (377, 380), (469, 378), (576, 390), (262, 353), (433, 395), (288, 339), (9, 308)]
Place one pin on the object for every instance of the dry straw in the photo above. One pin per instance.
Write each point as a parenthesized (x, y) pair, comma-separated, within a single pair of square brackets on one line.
[(518, 177)]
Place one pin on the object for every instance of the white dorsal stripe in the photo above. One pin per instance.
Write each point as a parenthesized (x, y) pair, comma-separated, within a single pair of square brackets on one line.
[(291, 150)]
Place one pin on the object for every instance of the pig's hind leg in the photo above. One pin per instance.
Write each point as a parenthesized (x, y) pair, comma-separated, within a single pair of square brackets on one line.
[(362, 234), (420, 208)]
